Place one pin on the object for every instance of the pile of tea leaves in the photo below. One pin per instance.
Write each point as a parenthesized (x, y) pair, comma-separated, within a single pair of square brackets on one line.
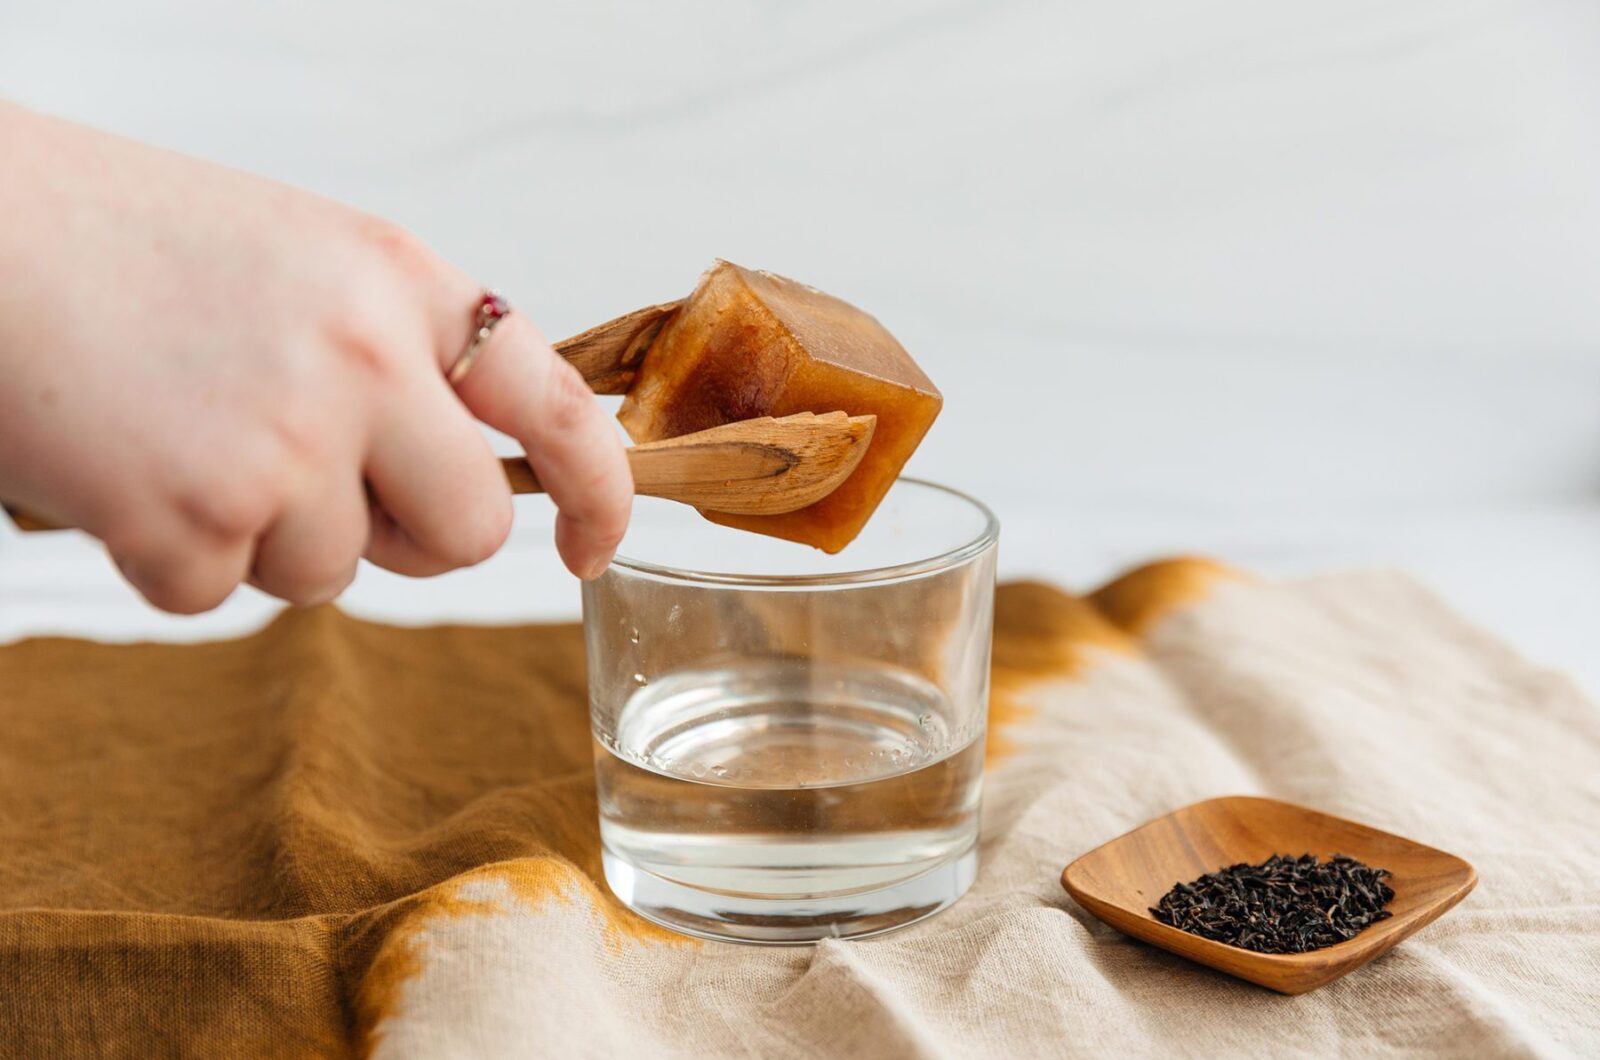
[(1283, 905)]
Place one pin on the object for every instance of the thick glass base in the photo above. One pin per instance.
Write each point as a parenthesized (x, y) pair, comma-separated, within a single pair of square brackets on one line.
[(789, 921)]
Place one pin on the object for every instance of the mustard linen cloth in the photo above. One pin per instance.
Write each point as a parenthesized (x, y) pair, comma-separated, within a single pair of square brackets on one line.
[(337, 838)]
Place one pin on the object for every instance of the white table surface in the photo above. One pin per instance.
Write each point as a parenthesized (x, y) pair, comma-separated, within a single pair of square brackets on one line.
[(1303, 286)]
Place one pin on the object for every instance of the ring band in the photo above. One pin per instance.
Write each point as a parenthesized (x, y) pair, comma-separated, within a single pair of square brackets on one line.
[(491, 309)]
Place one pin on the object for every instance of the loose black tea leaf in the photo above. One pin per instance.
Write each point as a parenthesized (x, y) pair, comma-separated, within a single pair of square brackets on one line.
[(1283, 905)]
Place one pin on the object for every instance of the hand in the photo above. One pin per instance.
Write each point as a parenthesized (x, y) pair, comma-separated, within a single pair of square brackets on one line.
[(225, 380)]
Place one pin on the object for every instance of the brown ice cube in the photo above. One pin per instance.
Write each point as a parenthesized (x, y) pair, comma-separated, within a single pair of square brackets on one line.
[(749, 344)]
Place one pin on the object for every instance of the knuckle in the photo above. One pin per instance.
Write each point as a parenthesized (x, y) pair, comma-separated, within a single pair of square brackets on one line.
[(371, 356), (369, 331), (609, 519), (401, 249), (314, 588), (307, 568), (371, 311), (613, 530), (226, 510), (193, 601), (127, 533), (478, 538), (484, 537), (607, 541), (568, 401), (177, 595), (610, 488), (306, 436)]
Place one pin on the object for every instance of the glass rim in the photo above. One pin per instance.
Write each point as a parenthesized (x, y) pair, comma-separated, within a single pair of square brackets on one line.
[(985, 539)]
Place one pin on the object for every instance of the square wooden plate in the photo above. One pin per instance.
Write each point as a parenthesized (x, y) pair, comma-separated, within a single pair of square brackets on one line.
[(1119, 882)]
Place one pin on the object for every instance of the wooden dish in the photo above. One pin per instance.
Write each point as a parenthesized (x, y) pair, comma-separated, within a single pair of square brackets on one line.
[(1119, 882)]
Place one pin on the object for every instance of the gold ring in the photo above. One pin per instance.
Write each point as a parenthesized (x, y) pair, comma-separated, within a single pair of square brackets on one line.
[(491, 309)]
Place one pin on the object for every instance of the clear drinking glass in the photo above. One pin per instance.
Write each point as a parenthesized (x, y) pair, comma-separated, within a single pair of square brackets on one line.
[(789, 745)]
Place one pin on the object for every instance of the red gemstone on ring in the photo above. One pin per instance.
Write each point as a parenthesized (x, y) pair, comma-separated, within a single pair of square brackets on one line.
[(491, 310), (492, 307)]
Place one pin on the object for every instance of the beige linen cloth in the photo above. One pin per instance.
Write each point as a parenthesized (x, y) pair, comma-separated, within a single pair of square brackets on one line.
[(335, 838)]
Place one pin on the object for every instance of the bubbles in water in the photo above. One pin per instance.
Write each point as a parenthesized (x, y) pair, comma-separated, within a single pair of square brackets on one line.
[(925, 720), (641, 680), (633, 636), (674, 613)]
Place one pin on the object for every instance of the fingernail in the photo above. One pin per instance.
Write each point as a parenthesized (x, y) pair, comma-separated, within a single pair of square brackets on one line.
[(597, 568)]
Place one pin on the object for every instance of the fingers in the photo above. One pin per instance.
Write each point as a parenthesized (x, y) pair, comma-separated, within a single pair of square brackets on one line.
[(443, 497), (185, 573), (309, 553), (519, 385)]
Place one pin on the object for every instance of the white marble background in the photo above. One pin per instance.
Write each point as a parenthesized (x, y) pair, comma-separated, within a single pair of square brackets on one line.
[(1303, 285)]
